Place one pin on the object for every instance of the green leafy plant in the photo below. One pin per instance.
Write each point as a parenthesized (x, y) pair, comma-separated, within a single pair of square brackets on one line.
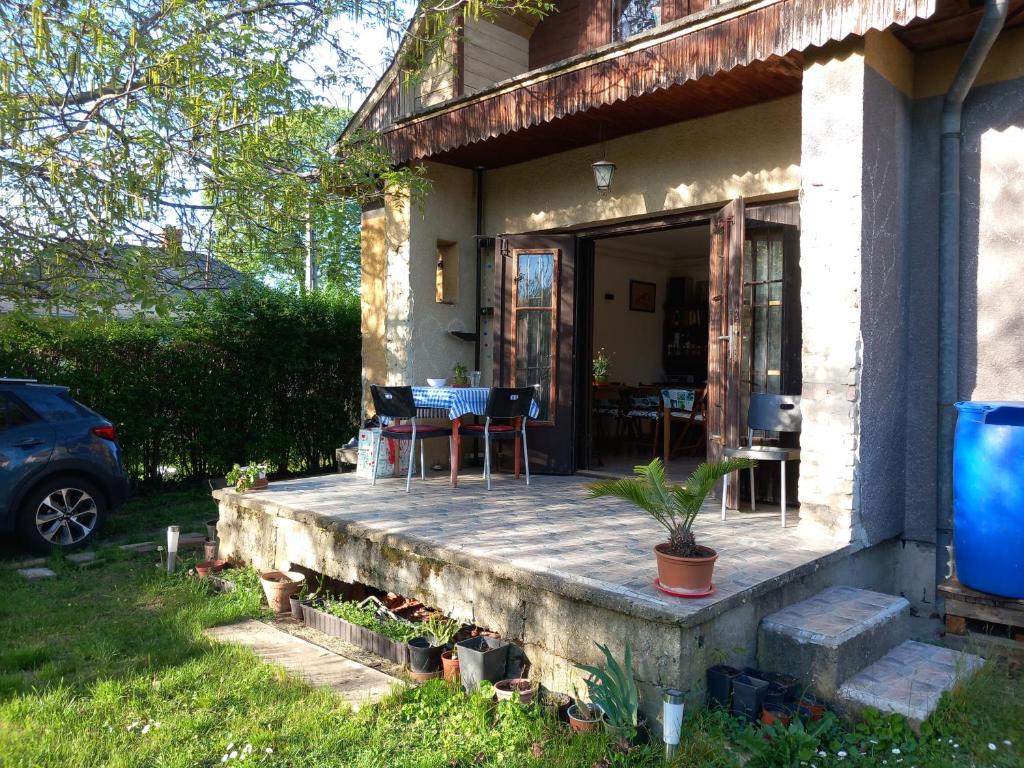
[(602, 363), (441, 629), (614, 690), (366, 616), (460, 373), (674, 507), (782, 746), (244, 478)]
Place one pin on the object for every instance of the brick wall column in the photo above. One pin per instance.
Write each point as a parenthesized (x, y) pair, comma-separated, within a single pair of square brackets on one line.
[(831, 214)]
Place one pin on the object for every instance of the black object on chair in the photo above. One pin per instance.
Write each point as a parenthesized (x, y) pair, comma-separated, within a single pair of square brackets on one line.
[(768, 413), (394, 403), (506, 404)]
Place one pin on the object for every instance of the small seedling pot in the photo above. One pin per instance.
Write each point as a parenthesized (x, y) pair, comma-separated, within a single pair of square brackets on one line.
[(578, 723), (205, 568), (505, 690), (211, 529), (775, 695), (424, 657), (422, 677), (296, 605), (279, 586), (773, 713), (558, 704), (811, 707), (719, 680), (787, 683), (748, 697), (482, 658), (210, 547), (450, 667)]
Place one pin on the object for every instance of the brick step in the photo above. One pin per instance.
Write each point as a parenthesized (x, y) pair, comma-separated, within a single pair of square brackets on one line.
[(908, 680), (831, 636)]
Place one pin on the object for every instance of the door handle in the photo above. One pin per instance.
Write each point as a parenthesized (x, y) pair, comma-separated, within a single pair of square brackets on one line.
[(31, 442), (725, 338)]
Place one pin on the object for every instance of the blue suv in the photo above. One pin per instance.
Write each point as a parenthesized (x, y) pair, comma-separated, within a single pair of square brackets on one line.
[(60, 467)]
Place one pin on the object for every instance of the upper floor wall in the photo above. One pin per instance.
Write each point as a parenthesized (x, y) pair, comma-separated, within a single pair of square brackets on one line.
[(484, 52)]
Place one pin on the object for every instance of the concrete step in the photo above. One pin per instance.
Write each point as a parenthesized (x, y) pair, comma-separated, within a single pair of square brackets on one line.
[(829, 637), (908, 680)]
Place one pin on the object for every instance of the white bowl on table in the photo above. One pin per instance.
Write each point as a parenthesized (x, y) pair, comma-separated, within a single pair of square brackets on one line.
[(436, 382)]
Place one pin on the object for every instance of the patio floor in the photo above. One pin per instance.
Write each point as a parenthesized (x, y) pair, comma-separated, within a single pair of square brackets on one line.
[(549, 533)]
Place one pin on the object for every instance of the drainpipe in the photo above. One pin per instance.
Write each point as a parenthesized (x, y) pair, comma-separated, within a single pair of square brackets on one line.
[(478, 174), (949, 270)]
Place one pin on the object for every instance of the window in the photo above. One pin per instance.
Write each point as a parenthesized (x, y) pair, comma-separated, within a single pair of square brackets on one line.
[(534, 298), (446, 276), (12, 414), (632, 17)]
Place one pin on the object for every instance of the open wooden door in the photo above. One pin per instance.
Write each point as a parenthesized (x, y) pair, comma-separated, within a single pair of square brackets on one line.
[(724, 333), (535, 345)]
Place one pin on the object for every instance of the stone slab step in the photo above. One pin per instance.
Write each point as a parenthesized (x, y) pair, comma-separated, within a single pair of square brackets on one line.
[(908, 680), (829, 637), (354, 682)]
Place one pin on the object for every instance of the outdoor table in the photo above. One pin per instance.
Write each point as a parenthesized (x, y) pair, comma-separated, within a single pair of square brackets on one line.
[(461, 401)]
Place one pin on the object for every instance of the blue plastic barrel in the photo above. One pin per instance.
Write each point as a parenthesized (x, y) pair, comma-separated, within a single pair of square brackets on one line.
[(988, 497)]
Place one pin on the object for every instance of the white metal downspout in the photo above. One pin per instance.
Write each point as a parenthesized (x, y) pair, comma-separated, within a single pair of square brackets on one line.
[(991, 25)]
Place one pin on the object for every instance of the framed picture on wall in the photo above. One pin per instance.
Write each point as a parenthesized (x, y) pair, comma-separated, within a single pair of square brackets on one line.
[(642, 296)]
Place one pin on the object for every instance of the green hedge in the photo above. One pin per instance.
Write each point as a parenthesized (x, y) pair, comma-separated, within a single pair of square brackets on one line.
[(244, 376)]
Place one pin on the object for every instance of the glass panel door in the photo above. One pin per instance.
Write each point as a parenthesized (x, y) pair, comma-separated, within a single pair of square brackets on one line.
[(534, 312)]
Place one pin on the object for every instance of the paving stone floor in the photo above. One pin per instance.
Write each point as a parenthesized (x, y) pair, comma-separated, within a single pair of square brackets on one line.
[(357, 683), (909, 679), (552, 527)]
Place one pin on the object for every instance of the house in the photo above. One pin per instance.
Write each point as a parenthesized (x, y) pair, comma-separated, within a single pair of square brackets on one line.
[(777, 171)]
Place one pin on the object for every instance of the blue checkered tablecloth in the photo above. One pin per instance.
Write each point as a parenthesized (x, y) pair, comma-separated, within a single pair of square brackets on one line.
[(458, 401)]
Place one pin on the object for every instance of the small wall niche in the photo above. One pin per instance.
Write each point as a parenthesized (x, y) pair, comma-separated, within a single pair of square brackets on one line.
[(446, 275)]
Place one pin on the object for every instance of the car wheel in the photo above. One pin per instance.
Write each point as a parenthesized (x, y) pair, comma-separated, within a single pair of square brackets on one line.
[(62, 513)]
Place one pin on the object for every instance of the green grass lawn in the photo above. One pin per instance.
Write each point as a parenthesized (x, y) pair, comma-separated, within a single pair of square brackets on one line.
[(106, 666)]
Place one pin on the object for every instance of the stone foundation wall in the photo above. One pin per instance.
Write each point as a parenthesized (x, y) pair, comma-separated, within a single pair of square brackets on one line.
[(555, 623)]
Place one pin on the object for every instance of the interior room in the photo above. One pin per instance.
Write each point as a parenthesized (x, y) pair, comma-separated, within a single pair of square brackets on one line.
[(651, 327)]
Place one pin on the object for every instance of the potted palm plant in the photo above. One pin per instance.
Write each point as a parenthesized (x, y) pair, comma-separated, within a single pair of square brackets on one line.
[(685, 568)]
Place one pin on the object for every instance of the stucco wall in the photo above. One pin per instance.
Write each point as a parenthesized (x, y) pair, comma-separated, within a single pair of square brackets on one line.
[(748, 152), (632, 339), (992, 295), (448, 213), (373, 299)]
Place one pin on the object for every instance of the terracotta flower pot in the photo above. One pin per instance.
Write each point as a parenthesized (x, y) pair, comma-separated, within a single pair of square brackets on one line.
[(773, 713), (685, 574), (450, 666), (577, 723), (507, 689), (422, 677), (205, 568), (279, 586)]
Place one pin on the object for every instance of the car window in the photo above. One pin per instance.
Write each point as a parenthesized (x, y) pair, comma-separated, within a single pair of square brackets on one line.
[(12, 414), (54, 404)]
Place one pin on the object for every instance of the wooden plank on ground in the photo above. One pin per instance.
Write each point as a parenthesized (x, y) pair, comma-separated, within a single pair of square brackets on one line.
[(354, 682)]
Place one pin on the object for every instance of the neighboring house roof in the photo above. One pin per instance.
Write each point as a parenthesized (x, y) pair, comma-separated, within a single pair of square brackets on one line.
[(732, 54), (195, 273)]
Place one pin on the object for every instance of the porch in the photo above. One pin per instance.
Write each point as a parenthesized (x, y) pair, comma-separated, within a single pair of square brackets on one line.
[(543, 566)]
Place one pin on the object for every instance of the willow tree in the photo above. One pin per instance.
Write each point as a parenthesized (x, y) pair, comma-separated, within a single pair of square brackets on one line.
[(121, 117)]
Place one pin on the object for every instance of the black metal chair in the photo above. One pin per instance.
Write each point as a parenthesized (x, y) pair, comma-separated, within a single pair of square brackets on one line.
[(506, 404), (394, 403), (768, 413)]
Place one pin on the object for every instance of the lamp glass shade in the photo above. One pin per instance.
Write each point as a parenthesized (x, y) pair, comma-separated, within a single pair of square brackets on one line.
[(603, 172), (172, 538), (672, 716)]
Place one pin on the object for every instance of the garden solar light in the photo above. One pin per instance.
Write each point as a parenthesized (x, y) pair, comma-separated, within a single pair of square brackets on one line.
[(172, 547), (671, 720)]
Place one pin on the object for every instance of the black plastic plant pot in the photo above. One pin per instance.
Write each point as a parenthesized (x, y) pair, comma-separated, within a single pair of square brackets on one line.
[(775, 695), (424, 657), (788, 684), (720, 679), (482, 658), (748, 697), (296, 606)]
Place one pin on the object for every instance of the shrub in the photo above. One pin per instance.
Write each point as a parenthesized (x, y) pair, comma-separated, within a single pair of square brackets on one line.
[(251, 374)]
